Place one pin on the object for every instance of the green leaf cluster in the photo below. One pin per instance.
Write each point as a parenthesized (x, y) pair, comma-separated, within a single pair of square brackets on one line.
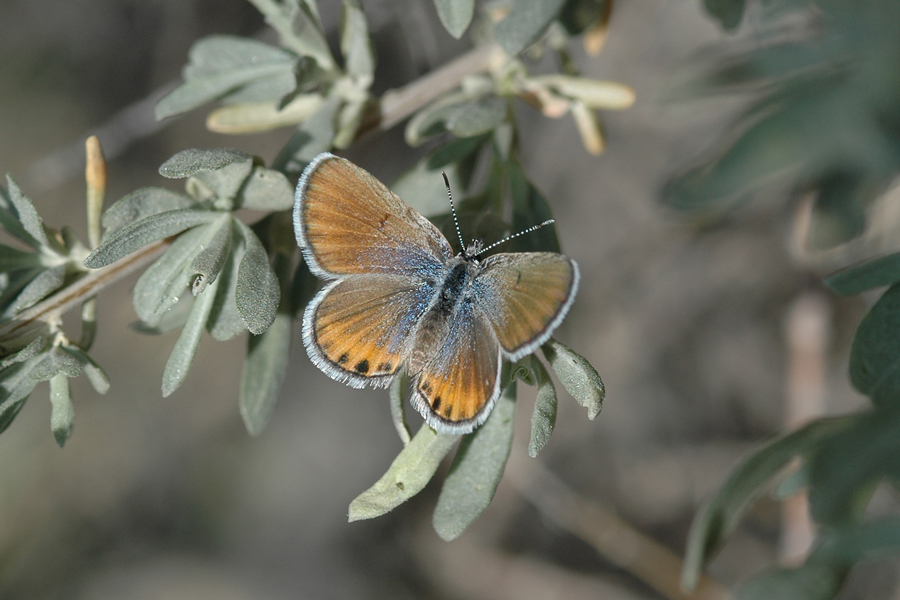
[(217, 274), (32, 351)]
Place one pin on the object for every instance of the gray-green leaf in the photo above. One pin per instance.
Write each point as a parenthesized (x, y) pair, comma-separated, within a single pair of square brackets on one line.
[(543, 419), (142, 203), (527, 20), (263, 372), (476, 470), (185, 349), (28, 216), (16, 384), (267, 190), (210, 260), (161, 285), (95, 374), (146, 231), (577, 375), (221, 64), (46, 282), (62, 414), (313, 137), (398, 415), (257, 293), (356, 45), (409, 473), (455, 15), (225, 321), (192, 161)]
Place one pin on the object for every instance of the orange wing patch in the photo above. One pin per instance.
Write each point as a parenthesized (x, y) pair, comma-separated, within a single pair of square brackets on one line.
[(353, 224), (458, 387), (361, 326)]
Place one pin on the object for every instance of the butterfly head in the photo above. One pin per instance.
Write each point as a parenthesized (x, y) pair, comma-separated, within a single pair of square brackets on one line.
[(473, 250)]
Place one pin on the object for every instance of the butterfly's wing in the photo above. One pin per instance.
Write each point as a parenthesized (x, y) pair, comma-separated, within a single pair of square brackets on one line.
[(385, 260), (359, 329), (347, 222), (459, 382), (525, 295)]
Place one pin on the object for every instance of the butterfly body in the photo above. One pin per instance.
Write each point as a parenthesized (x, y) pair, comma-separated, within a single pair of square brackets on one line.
[(398, 299)]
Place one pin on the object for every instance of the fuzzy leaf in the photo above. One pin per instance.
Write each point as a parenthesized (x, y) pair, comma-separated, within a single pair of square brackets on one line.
[(423, 188), (225, 321), (526, 22), (146, 231), (257, 293), (162, 284), (95, 374), (409, 473), (255, 117), (28, 217), (455, 15), (476, 470), (13, 259), (16, 384), (190, 162), (221, 64), (54, 363), (33, 348), (313, 137), (263, 372), (577, 375), (62, 415), (185, 349), (267, 190), (143, 203), (300, 28), (356, 45), (222, 186), (46, 282), (543, 419), (210, 260), (398, 415)]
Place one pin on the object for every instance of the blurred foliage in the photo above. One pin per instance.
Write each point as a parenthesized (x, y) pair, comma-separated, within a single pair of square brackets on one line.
[(826, 120), (827, 78)]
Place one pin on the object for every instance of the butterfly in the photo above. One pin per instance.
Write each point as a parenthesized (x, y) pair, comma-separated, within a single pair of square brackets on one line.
[(397, 298)]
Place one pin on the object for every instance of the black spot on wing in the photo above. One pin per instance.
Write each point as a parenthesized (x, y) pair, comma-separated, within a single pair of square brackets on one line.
[(436, 404), (344, 358), (385, 367), (362, 367)]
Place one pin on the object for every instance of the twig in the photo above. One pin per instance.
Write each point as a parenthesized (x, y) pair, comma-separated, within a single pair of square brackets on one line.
[(51, 309), (396, 105), (615, 539)]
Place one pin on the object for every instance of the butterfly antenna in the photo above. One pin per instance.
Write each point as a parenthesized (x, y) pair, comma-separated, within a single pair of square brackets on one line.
[(462, 244), (515, 235)]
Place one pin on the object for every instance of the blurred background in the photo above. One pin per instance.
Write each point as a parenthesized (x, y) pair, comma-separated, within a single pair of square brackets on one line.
[(689, 324)]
